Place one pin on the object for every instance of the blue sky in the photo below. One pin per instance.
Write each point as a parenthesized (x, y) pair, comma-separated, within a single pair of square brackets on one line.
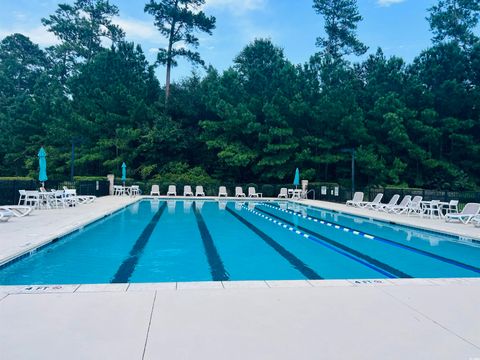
[(398, 26)]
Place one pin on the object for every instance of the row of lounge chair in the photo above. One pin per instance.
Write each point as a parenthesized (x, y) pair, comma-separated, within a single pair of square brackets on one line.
[(199, 191), (222, 191), (416, 206)]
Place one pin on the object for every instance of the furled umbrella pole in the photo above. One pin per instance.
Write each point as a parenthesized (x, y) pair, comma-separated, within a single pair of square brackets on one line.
[(42, 162), (296, 180), (124, 173)]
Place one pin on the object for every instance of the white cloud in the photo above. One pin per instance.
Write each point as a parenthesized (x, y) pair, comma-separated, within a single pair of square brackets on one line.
[(386, 3), (138, 30), (38, 35), (237, 7)]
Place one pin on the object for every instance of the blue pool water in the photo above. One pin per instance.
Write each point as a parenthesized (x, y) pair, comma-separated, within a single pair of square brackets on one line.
[(161, 241)]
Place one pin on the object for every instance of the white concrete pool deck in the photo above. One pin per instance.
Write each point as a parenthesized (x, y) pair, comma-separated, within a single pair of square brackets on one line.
[(338, 319), (401, 319)]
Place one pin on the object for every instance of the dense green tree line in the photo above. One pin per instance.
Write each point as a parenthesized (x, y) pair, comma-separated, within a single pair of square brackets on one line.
[(414, 124)]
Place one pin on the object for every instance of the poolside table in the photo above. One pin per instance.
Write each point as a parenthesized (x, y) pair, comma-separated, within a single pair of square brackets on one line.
[(434, 206), (295, 193)]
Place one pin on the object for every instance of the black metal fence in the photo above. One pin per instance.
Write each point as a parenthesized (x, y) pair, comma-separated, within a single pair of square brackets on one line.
[(9, 194), (327, 192)]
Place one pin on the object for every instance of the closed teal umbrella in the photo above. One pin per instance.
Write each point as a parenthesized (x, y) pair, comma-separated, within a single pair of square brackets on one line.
[(124, 173), (296, 180), (42, 162)]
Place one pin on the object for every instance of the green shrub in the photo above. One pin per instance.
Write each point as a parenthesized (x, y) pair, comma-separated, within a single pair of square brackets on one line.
[(16, 178), (268, 190), (89, 178)]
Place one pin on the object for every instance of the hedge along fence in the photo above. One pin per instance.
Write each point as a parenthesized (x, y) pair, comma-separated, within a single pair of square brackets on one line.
[(9, 187)]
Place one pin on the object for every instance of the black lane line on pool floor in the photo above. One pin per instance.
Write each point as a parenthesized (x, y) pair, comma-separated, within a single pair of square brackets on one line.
[(287, 255), (126, 269), (368, 259), (217, 269), (400, 245)]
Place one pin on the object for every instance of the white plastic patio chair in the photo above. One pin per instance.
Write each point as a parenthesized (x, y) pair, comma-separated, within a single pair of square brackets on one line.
[(222, 191), (22, 198), (357, 199), (199, 191), (135, 190), (252, 193), (283, 193), (432, 209), (31, 198), (452, 207), (239, 192), (187, 190), (172, 190), (470, 211), (155, 190), (71, 197)]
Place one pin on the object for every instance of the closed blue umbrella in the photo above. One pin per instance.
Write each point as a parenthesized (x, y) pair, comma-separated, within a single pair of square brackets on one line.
[(124, 173), (296, 180), (42, 162)]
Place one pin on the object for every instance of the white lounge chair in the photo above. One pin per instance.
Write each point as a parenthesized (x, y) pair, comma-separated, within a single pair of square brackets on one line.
[(415, 206), (172, 190), (372, 204), (283, 193), (402, 207), (386, 207), (5, 215), (357, 199), (187, 190), (222, 191), (239, 192), (469, 212), (199, 191), (155, 191), (252, 193), (17, 210)]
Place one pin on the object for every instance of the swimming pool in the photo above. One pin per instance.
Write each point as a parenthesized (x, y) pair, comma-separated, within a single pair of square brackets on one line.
[(200, 240)]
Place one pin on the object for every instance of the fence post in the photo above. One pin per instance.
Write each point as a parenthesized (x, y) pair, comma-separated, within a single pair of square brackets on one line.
[(111, 179)]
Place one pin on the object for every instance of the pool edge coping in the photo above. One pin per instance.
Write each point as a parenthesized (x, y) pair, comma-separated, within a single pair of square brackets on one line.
[(232, 285)]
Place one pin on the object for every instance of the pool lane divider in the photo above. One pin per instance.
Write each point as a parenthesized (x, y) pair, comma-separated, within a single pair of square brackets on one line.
[(380, 239), (374, 264), (126, 269), (287, 255), (217, 268)]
